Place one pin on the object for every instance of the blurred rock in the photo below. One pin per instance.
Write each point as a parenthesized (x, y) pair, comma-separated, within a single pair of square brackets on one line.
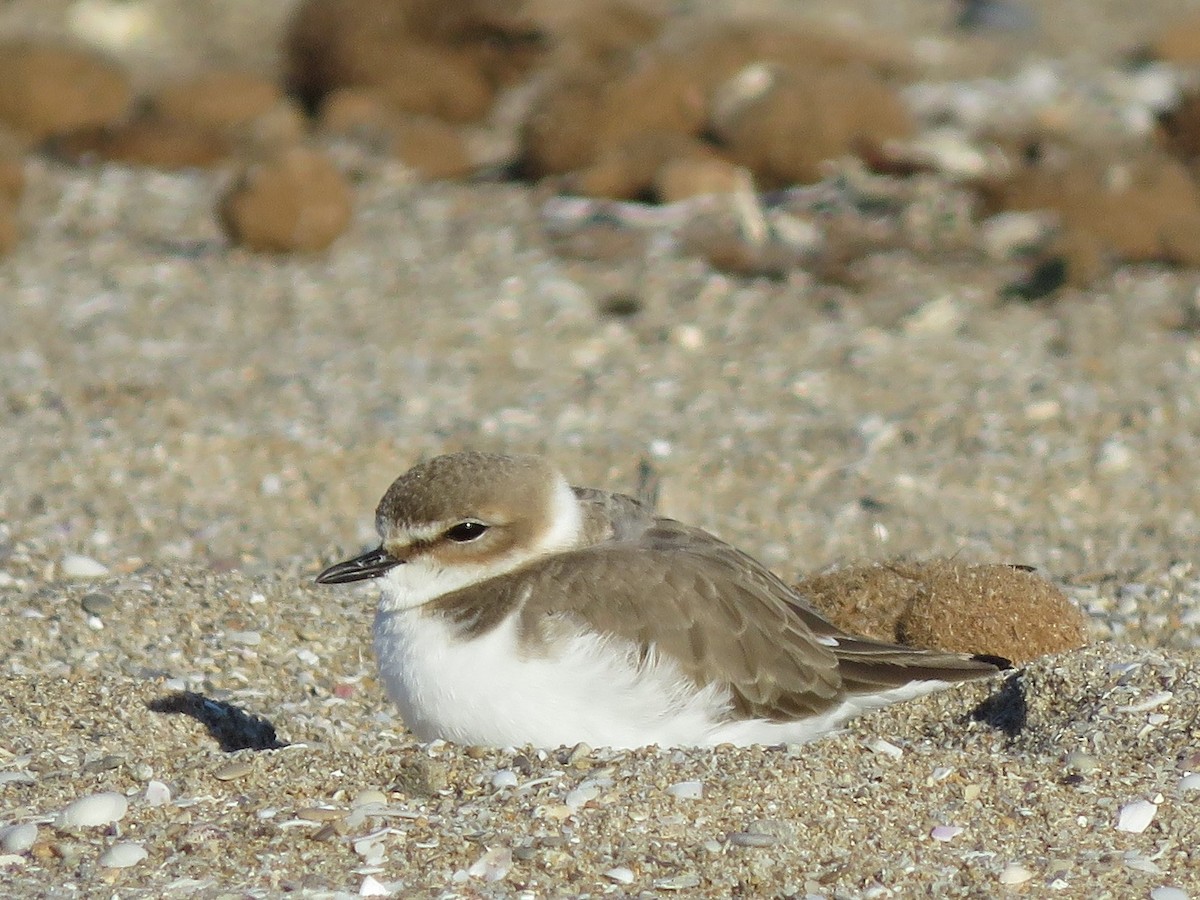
[(145, 141), (795, 120), (48, 89), (1138, 208), (1001, 610), (295, 201), (433, 148), (219, 98), (443, 59), (1179, 41)]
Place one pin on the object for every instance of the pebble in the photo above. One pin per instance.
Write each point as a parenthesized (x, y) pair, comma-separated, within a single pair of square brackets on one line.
[(1081, 762), (18, 838), (1136, 817), (76, 566), (752, 839), (96, 809), (96, 604), (123, 855), (233, 770), (620, 874), (686, 790)]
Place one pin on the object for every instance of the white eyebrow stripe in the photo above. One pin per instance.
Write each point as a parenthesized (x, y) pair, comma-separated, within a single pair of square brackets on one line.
[(421, 534)]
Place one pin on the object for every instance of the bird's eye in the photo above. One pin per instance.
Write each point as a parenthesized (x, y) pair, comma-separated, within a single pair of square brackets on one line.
[(466, 531)]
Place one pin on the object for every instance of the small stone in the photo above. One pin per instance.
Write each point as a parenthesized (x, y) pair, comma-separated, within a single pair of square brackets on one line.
[(18, 838), (123, 855), (93, 810), (233, 770), (76, 566), (96, 604), (295, 201), (1081, 762), (47, 89), (218, 98)]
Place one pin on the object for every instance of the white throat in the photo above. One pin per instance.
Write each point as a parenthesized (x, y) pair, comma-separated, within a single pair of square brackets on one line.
[(422, 580)]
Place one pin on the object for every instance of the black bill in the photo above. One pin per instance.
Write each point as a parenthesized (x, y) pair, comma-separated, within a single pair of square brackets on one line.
[(371, 564)]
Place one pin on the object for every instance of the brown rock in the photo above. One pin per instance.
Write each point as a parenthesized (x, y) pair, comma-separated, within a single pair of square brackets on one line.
[(627, 170), (1138, 209), (297, 200), (681, 178), (599, 31), (994, 609), (10, 228), (12, 177), (146, 141), (590, 111), (434, 148), (355, 111), (790, 121), (224, 99), (441, 59), (48, 89), (1179, 41)]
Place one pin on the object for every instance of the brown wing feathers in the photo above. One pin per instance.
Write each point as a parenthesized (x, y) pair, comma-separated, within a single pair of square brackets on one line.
[(719, 614)]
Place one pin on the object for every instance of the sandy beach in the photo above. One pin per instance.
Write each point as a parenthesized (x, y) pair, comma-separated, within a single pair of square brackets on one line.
[(192, 431)]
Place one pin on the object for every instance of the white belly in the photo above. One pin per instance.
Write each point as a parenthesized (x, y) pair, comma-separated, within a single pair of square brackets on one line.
[(485, 691)]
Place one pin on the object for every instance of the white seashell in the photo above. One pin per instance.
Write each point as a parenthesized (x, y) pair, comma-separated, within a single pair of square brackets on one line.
[(946, 832), (157, 794), (96, 809), (582, 795), (505, 778), (1015, 873), (76, 566), (18, 838), (373, 887), (123, 855), (620, 874), (1136, 817), (493, 865)]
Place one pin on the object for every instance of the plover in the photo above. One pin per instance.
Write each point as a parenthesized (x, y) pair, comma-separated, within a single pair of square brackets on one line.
[(516, 609)]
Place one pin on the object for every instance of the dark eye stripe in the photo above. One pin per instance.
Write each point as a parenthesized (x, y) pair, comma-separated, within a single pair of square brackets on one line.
[(466, 531)]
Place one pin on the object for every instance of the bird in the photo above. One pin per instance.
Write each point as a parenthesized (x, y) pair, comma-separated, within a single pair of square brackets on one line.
[(516, 610)]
